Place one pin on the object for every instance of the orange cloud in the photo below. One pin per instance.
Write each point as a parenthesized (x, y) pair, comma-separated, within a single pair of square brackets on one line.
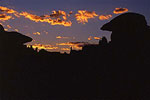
[(90, 38), (65, 44), (70, 44), (56, 18), (7, 10), (58, 14), (16, 30), (82, 16), (61, 22), (42, 46), (4, 17), (6, 29), (65, 49), (97, 38), (32, 17), (8, 26), (120, 10), (71, 12), (62, 37), (45, 18), (74, 45), (37, 33), (105, 17)]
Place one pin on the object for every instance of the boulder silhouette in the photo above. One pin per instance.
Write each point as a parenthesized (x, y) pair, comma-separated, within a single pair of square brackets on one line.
[(129, 29), (126, 22), (129, 49), (12, 38)]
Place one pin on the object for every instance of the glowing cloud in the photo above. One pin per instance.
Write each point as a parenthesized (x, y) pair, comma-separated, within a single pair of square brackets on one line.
[(32, 17), (37, 33), (16, 30), (42, 46), (58, 14), (74, 45), (45, 18), (61, 22), (62, 37), (4, 17), (82, 16), (105, 17), (90, 38), (120, 10), (8, 26), (65, 49), (65, 44), (6, 29), (97, 38), (56, 17), (7, 10), (71, 12)]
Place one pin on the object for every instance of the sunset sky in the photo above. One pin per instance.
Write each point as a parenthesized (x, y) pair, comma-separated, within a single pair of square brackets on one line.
[(58, 24)]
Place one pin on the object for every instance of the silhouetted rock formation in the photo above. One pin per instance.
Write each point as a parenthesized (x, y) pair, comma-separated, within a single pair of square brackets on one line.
[(128, 43), (12, 38), (118, 69), (128, 28), (129, 34)]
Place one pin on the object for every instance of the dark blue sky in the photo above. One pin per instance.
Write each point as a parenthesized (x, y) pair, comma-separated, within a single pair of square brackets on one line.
[(80, 31)]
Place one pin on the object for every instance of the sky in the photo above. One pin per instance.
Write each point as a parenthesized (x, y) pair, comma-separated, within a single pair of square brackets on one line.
[(64, 27)]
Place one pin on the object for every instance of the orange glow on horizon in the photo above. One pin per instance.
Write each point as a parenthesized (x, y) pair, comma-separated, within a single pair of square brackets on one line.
[(75, 46), (42, 46)]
